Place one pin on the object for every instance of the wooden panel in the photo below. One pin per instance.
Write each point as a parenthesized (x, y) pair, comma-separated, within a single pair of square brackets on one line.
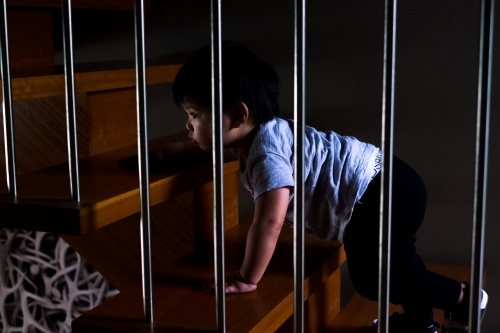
[(177, 294), (44, 215), (53, 85), (81, 4), (324, 304), (171, 237), (203, 211), (112, 120), (320, 308), (40, 133), (30, 38)]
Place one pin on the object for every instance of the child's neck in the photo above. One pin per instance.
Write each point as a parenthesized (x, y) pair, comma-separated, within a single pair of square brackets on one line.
[(244, 146)]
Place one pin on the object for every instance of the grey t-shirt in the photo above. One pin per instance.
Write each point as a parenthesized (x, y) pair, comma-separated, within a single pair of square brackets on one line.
[(337, 172)]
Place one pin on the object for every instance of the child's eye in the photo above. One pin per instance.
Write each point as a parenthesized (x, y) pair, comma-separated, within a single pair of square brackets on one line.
[(193, 115)]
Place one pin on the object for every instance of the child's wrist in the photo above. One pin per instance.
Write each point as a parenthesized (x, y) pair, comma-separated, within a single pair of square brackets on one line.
[(156, 155), (240, 277)]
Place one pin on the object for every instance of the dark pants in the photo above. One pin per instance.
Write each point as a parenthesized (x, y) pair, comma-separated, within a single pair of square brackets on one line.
[(412, 285)]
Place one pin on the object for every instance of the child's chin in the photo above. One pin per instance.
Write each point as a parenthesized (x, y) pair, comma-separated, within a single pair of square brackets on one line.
[(206, 148)]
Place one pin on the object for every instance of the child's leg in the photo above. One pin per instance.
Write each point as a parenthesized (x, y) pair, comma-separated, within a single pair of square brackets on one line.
[(412, 286)]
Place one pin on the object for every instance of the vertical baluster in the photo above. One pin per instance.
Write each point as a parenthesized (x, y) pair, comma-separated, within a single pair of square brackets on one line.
[(8, 123), (220, 282), (142, 128), (386, 170), (69, 76), (299, 128), (481, 173)]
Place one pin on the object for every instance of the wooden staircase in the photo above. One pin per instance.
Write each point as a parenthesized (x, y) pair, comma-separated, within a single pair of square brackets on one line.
[(181, 305), (358, 314), (104, 227)]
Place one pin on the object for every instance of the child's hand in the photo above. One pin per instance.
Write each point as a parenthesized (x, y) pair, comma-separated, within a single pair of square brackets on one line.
[(235, 284), (155, 158), (161, 163)]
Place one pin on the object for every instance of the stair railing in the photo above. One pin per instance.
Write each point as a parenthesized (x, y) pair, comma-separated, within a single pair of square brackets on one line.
[(388, 87), (8, 121), (299, 152), (217, 163), (142, 142), (482, 138), (69, 76), (386, 169), (481, 168)]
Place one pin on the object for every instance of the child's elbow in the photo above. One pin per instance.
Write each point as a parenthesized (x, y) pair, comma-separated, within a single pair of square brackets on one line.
[(272, 224)]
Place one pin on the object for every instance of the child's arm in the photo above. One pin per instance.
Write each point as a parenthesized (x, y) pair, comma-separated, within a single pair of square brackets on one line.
[(184, 148), (270, 211), (171, 154)]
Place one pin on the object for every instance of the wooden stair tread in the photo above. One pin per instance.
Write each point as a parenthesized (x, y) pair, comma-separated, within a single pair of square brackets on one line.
[(49, 81), (359, 313), (181, 306), (109, 192)]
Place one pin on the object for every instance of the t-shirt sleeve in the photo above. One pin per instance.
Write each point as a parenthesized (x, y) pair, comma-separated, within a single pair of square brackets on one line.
[(268, 172)]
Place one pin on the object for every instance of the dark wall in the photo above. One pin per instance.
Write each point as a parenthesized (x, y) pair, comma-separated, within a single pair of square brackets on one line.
[(436, 90)]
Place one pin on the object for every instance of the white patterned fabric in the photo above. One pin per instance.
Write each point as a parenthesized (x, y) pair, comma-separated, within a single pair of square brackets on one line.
[(44, 284)]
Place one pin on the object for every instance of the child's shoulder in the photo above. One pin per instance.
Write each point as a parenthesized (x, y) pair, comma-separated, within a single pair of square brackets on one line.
[(275, 136), (274, 132), (277, 125)]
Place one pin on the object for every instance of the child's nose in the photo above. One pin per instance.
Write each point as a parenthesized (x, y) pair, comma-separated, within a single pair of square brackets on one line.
[(189, 126)]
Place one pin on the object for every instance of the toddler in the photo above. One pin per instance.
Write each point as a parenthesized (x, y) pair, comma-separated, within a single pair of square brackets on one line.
[(342, 190)]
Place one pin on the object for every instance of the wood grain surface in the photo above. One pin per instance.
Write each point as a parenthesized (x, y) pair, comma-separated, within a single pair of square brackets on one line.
[(45, 85), (40, 133), (175, 230), (181, 305), (358, 315), (109, 192)]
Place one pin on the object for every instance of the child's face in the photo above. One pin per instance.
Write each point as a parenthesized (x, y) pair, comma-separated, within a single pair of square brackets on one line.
[(199, 124)]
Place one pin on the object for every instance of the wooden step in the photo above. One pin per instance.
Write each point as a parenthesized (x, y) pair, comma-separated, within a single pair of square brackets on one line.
[(359, 313), (181, 306), (46, 81), (106, 119), (109, 192)]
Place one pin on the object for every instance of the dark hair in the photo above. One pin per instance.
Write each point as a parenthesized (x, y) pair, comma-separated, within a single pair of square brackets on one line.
[(246, 77)]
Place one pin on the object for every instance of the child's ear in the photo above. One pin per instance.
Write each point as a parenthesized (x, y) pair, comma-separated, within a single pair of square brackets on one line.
[(239, 114)]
